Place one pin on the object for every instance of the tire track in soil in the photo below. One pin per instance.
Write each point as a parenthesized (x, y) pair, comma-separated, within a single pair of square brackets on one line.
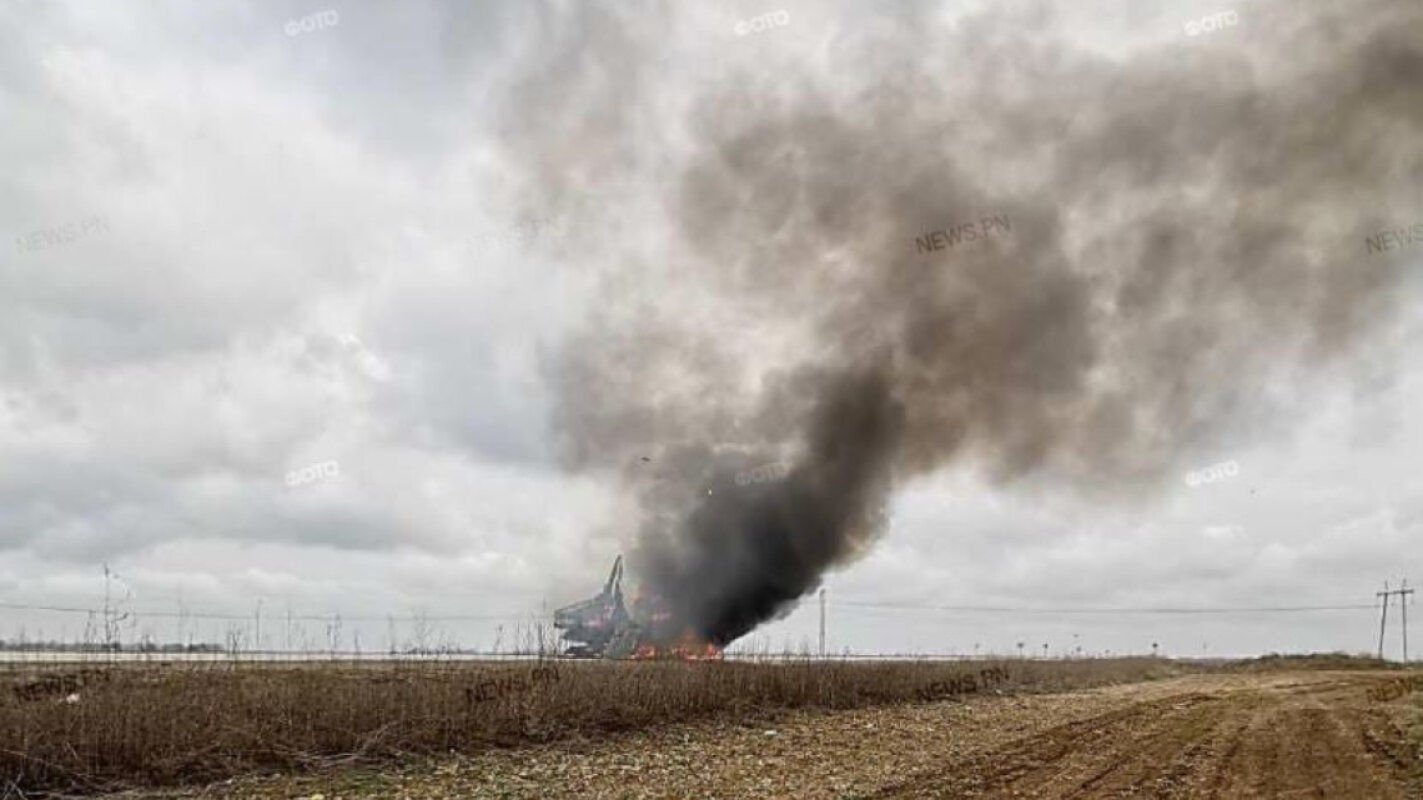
[(1159, 764), (1306, 739), (1317, 745), (1058, 750)]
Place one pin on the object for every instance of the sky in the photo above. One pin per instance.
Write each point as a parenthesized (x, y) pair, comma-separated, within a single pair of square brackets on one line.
[(283, 324)]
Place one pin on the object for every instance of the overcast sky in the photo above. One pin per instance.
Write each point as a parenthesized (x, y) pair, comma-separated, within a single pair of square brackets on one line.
[(246, 239)]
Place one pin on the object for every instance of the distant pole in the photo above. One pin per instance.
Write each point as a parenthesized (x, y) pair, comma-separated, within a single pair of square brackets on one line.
[(1383, 618), (1403, 604), (1403, 594), (822, 624)]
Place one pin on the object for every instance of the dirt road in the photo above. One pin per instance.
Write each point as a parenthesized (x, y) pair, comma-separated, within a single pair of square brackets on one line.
[(1286, 735)]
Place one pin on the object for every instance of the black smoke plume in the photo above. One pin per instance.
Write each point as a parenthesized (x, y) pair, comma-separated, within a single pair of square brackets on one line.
[(881, 245)]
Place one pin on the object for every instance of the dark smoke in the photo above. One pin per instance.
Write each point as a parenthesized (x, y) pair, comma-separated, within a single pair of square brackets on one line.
[(1183, 235)]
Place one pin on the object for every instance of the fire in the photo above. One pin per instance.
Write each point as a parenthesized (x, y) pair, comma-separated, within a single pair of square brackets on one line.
[(687, 647)]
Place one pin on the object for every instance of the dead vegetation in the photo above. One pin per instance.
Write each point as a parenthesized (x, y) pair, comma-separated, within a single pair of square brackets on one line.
[(152, 725), (1274, 662), (1216, 734)]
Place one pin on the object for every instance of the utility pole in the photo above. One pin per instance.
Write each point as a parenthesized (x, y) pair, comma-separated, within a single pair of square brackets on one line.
[(1403, 594), (822, 624), (1403, 604), (1383, 618)]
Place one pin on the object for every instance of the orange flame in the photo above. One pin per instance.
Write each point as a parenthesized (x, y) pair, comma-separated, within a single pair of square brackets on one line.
[(688, 647)]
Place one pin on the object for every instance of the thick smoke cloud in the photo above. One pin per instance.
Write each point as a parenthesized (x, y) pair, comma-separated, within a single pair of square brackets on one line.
[(1133, 254)]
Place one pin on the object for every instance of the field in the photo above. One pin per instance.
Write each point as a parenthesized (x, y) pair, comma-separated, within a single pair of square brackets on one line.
[(90, 728), (1118, 728)]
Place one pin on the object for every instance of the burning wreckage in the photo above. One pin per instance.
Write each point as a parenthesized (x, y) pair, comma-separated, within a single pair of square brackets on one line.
[(602, 627)]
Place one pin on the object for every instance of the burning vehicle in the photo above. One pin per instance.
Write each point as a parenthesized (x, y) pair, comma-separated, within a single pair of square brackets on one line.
[(602, 627)]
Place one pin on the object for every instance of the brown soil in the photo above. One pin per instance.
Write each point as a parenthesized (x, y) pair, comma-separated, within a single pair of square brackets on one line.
[(1277, 737), (1285, 735)]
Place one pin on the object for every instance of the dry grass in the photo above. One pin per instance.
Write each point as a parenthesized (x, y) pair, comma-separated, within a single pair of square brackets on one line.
[(1325, 661), (149, 725), (1413, 721)]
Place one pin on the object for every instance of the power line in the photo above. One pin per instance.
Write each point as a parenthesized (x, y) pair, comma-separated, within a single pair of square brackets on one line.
[(1139, 610), (169, 614), (249, 617)]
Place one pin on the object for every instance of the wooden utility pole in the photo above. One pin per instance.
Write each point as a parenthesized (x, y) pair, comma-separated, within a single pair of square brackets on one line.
[(1383, 617), (1403, 604), (1403, 594)]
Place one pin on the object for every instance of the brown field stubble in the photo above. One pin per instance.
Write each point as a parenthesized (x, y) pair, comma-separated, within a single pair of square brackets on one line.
[(153, 725)]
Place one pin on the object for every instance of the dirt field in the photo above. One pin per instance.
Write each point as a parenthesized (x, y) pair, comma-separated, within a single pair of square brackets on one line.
[(1282, 734)]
